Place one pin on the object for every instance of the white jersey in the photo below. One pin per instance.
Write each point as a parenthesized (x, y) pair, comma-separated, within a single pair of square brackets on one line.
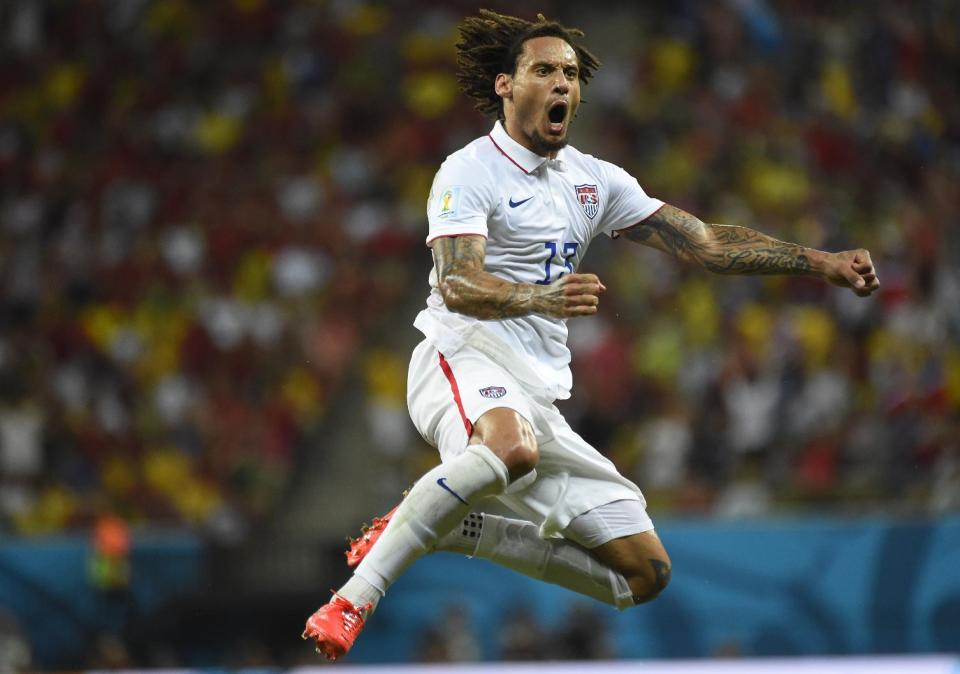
[(539, 216)]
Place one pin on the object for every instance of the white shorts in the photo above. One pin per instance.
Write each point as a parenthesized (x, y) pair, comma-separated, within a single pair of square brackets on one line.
[(446, 396), (611, 520)]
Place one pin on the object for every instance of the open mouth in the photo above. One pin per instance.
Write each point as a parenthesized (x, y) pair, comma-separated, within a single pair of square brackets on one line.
[(557, 114)]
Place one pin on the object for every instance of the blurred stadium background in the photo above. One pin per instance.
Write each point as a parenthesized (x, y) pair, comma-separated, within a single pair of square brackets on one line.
[(211, 251)]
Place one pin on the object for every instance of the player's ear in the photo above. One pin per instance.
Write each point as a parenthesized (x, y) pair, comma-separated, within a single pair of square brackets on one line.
[(503, 85)]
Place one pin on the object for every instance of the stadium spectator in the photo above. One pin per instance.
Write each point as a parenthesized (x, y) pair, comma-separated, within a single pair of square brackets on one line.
[(190, 193)]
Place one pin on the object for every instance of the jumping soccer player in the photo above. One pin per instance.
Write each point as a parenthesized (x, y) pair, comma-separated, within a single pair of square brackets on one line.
[(510, 218)]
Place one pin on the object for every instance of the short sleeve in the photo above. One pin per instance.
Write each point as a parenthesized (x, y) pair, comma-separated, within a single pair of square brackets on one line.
[(627, 204), (461, 199)]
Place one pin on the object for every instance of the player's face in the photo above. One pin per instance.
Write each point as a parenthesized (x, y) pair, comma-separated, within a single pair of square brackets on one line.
[(540, 100)]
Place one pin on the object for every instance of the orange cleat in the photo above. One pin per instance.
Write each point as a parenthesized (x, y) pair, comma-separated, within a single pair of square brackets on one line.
[(359, 547), (335, 626)]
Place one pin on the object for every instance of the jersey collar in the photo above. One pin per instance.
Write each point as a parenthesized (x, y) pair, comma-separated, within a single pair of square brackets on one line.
[(522, 158)]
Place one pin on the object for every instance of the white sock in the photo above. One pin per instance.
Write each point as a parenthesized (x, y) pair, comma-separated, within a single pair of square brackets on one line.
[(360, 593), (436, 503), (517, 545)]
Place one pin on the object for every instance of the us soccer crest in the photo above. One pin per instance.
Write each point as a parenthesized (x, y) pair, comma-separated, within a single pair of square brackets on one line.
[(589, 198)]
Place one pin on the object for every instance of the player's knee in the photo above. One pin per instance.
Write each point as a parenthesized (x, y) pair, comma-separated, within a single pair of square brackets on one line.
[(647, 583), (520, 458), (510, 437)]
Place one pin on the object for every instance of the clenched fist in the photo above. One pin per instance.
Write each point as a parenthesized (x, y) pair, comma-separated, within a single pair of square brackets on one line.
[(571, 295), (852, 269)]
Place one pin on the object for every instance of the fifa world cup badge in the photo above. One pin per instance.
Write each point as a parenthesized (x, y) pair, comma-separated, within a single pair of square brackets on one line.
[(449, 200)]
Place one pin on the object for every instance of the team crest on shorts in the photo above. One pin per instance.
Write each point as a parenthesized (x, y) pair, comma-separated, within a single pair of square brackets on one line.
[(493, 392), (589, 198)]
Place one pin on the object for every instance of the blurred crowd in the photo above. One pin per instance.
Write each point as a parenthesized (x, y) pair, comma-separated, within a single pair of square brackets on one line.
[(198, 227), (835, 126), (581, 633), (209, 212)]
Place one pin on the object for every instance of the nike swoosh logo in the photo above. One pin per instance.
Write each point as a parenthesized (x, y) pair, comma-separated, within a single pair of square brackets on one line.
[(443, 483), (514, 204)]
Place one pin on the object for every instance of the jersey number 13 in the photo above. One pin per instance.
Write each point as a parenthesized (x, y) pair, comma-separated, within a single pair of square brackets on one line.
[(569, 251)]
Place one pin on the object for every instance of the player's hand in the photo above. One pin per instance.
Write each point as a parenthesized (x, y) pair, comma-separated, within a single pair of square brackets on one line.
[(572, 295), (852, 269)]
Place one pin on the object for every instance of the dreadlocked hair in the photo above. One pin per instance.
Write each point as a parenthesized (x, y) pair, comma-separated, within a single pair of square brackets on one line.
[(490, 44)]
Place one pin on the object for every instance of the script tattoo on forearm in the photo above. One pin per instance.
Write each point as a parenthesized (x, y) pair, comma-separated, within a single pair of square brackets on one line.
[(724, 249), (468, 289)]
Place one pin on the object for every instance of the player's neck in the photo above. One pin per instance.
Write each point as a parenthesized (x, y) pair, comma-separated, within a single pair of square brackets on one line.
[(517, 135)]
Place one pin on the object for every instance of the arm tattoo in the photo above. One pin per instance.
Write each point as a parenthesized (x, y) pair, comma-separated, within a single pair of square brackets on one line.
[(456, 254), (468, 289), (724, 249)]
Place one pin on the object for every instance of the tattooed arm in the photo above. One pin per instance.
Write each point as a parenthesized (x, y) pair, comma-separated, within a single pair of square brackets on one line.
[(730, 249), (468, 289)]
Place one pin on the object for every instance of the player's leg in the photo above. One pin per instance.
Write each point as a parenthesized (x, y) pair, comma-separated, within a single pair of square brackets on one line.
[(508, 435), (500, 450), (610, 553), (516, 544), (617, 529), (500, 435), (609, 550), (621, 536), (437, 502), (642, 560)]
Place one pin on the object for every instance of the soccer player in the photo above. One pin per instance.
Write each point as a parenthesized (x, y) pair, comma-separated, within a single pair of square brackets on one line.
[(510, 218)]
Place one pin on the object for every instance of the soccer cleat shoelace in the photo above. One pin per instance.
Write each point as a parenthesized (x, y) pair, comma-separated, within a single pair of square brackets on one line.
[(335, 626)]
